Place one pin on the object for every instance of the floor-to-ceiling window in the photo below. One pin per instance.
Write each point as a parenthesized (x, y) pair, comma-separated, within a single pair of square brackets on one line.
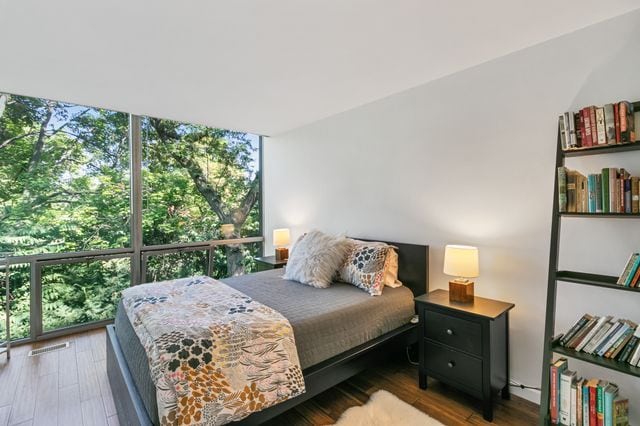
[(92, 201)]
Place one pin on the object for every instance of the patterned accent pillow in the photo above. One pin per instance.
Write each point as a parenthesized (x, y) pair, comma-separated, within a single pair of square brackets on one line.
[(365, 266), (315, 258)]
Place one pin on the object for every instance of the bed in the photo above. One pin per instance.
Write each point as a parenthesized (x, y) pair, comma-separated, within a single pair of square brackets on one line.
[(339, 332)]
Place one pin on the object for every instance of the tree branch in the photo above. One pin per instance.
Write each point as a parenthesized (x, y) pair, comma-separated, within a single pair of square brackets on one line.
[(39, 147)]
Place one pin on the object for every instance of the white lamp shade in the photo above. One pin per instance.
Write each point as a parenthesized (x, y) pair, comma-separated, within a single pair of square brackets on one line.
[(461, 261), (281, 237)]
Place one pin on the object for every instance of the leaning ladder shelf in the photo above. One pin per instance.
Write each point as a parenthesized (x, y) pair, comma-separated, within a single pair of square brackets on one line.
[(584, 278)]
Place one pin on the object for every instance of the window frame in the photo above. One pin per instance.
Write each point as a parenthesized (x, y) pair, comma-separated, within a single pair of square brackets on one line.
[(137, 252)]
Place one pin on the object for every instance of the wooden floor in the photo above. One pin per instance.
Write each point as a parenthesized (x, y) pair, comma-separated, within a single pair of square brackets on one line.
[(70, 387)]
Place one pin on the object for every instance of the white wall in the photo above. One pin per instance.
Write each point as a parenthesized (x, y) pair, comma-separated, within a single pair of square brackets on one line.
[(470, 159)]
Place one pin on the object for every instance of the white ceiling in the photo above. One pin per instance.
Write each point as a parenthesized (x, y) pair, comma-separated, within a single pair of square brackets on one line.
[(263, 66)]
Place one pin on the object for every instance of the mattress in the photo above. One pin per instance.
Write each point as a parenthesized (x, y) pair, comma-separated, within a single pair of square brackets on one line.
[(325, 322)]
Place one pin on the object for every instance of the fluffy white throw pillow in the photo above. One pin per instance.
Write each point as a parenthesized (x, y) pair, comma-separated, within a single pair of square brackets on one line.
[(315, 258)]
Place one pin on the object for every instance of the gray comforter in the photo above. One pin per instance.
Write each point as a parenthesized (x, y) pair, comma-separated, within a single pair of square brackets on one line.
[(326, 322)]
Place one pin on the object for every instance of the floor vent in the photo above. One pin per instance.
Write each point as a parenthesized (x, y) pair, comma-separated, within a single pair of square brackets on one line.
[(47, 349)]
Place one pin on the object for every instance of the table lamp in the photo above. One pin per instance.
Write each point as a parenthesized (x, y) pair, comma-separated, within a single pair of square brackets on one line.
[(280, 239), (461, 262)]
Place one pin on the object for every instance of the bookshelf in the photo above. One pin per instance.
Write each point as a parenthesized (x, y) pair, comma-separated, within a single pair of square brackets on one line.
[(556, 276)]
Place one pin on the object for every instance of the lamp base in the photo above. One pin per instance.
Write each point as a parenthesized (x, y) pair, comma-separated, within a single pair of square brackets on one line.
[(282, 253), (461, 292)]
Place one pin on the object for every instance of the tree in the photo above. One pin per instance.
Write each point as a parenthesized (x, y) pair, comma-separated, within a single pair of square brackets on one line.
[(64, 186)]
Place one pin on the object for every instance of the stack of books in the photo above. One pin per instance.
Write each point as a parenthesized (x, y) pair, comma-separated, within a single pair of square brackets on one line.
[(575, 401), (612, 191), (594, 126), (604, 337), (630, 276)]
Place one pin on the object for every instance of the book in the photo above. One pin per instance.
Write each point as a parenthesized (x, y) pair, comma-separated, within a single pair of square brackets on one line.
[(601, 322), (582, 193), (600, 126), (562, 189), (627, 131), (573, 415), (585, 402), (571, 125), (627, 195), (632, 271), (605, 190), (621, 412), (627, 268), (600, 402), (610, 124), (613, 190), (575, 329), (593, 400), (564, 410), (613, 330), (591, 189), (616, 114), (572, 197), (598, 193), (563, 136), (594, 128), (635, 194), (587, 140), (610, 392), (635, 282), (578, 405), (556, 369)]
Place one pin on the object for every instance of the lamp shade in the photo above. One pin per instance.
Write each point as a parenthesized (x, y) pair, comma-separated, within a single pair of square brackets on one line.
[(281, 237), (461, 261)]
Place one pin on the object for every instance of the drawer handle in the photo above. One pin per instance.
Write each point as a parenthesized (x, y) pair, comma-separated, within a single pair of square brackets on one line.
[(449, 332), (451, 364)]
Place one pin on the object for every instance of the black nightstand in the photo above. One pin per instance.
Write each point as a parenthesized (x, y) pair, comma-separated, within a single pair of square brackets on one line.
[(266, 263), (465, 345)]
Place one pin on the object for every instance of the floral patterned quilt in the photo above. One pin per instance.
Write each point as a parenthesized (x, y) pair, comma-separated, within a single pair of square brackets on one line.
[(215, 355)]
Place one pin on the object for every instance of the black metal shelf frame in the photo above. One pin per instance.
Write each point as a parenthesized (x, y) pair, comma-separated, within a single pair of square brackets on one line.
[(578, 277)]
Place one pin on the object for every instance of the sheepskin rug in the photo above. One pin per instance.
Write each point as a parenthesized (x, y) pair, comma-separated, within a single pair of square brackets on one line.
[(385, 409)]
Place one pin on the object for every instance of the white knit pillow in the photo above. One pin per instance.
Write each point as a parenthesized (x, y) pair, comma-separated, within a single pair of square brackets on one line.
[(315, 258)]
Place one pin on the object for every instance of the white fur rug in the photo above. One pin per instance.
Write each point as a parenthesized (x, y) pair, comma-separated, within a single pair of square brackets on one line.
[(385, 409)]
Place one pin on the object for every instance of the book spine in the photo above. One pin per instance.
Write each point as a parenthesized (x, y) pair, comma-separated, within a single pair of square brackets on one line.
[(616, 112), (585, 404), (627, 195), (600, 404), (591, 187), (593, 415), (586, 118), (598, 193), (562, 189), (594, 127), (553, 403), (628, 349), (635, 195), (636, 356), (610, 124), (605, 190), (565, 399), (563, 136), (600, 128), (612, 331), (572, 206), (635, 282), (575, 329), (612, 339), (573, 417), (627, 133), (613, 200)]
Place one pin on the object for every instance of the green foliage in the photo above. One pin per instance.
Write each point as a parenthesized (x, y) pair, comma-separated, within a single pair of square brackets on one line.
[(65, 187)]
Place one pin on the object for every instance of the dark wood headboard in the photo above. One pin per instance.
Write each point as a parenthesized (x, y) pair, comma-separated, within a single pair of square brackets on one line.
[(413, 266)]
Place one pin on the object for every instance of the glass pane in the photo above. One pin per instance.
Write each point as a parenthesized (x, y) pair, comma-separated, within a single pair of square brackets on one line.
[(64, 177), (176, 265), (235, 259), (19, 280), (196, 179), (78, 293)]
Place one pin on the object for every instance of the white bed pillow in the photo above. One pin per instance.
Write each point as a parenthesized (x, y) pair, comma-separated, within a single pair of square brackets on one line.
[(315, 258)]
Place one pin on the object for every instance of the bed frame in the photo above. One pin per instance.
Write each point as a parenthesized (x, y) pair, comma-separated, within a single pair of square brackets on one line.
[(413, 271)]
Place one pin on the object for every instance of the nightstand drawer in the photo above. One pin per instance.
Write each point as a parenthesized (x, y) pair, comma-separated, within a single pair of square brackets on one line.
[(450, 364), (455, 332)]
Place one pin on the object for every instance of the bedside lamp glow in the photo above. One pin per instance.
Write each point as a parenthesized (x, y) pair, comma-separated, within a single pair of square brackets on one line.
[(461, 262), (281, 238)]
